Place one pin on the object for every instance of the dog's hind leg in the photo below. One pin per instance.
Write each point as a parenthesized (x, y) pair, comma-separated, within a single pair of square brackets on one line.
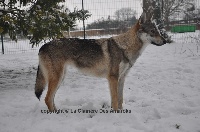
[(55, 78)]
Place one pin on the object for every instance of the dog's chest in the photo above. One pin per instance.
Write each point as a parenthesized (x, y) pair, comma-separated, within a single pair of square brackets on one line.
[(123, 69)]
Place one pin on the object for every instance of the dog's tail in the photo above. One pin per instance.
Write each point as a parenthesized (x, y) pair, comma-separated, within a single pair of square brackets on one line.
[(40, 83)]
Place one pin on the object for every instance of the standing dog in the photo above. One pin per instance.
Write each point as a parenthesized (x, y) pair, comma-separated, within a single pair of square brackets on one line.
[(110, 58)]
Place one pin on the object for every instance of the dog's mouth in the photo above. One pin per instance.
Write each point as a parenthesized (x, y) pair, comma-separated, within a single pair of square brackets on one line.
[(159, 44)]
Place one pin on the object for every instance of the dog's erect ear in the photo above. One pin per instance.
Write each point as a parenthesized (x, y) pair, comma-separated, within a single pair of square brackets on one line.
[(142, 18), (145, 17)]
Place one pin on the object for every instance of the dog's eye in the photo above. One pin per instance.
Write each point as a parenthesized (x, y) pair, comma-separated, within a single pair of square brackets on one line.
[(152, 31)]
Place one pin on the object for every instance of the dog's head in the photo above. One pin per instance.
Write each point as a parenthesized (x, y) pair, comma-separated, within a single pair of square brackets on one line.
[(149, 31)]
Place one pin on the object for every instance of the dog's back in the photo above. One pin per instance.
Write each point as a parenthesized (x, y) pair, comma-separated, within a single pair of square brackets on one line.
[(84, 53)]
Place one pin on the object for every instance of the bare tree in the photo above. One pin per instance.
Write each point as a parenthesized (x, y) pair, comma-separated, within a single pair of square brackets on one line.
[(170, 7), (125, 14)]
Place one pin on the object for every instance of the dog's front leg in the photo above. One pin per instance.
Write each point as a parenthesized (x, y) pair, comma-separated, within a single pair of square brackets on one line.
[(113, 83), (120, 91)]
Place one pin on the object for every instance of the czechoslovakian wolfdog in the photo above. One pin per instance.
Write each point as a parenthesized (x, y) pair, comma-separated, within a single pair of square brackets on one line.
[(110, 58)]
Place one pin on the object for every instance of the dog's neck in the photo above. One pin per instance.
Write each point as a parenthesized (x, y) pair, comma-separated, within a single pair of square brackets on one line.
[(130, 40), (131, 43)]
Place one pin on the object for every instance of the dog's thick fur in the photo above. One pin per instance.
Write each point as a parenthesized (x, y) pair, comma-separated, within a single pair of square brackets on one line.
[(110, 58)]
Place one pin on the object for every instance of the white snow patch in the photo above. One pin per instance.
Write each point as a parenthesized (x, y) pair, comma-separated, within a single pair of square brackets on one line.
[(161, 91)]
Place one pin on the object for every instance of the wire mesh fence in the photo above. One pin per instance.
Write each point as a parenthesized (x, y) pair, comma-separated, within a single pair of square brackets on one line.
[(113, 17), (13, 47), (107, 17)]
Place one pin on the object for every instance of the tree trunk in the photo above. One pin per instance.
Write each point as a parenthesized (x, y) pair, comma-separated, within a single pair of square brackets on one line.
[(167, 22)]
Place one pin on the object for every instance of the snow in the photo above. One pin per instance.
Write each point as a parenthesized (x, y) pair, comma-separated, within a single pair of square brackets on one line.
[(161, 91)]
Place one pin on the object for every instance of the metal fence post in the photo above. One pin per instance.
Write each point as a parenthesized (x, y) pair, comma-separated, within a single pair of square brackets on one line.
[(2, 44), (83, 20)]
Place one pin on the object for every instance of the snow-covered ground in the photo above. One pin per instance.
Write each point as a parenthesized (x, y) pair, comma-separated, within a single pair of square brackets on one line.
[(162, 94)]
